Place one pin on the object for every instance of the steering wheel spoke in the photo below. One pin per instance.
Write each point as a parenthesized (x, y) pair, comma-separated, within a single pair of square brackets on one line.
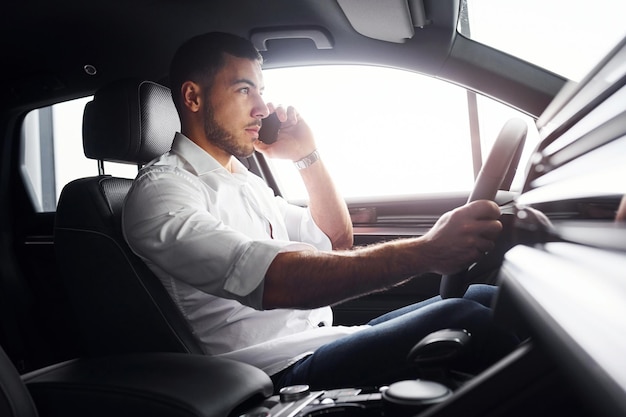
[(498, 168)]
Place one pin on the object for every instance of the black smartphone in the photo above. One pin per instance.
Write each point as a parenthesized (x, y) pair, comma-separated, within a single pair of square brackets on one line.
[(269, 129)]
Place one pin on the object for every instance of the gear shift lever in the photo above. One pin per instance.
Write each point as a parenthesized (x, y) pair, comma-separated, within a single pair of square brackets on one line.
[(433, 354)]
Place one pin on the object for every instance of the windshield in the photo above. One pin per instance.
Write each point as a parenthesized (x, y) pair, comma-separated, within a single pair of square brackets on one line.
[(563, 36)]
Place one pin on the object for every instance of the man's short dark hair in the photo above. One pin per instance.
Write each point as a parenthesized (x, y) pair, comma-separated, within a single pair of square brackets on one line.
[(201, 57)]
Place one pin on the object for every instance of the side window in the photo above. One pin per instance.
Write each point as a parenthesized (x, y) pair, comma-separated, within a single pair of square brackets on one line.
[(387, 132), (52, 153)]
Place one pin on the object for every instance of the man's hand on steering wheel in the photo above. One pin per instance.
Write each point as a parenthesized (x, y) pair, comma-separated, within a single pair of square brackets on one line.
[(461, 236)]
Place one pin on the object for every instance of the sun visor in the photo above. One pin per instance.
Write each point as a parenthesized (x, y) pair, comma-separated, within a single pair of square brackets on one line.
[(390, 20)]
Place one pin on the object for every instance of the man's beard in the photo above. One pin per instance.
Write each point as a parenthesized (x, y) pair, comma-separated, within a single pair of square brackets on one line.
[(221, 138)]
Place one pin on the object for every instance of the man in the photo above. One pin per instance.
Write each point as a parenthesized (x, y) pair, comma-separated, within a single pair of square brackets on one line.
[(255, 275)]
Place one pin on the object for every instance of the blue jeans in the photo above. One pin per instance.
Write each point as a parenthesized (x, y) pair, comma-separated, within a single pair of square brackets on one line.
[(377, 355)]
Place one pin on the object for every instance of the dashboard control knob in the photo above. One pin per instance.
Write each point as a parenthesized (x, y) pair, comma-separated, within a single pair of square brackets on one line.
[(293, 393)]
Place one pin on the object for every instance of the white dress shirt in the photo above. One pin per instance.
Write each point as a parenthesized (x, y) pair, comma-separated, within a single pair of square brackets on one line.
[(210, 236)]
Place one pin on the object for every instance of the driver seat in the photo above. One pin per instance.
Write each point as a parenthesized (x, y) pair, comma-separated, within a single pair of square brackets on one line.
[(120, 304)]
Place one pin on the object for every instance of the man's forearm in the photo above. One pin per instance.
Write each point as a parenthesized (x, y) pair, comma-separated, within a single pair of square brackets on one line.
[(310, 279), (315, 279), (328, 208)]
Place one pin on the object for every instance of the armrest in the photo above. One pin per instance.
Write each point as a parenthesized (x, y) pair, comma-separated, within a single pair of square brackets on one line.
[(152, 384)]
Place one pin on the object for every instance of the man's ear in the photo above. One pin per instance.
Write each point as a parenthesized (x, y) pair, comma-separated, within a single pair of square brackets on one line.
[(191, 96)]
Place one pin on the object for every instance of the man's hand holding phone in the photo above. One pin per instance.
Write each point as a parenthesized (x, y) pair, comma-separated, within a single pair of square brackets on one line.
[(270, 126), (285, 135)]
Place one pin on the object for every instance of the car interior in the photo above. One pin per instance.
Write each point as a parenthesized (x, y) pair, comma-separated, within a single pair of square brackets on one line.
[(88, 329)]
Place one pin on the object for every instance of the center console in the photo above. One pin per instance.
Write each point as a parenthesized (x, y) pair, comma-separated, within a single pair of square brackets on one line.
[(404, 398), (399, 399)]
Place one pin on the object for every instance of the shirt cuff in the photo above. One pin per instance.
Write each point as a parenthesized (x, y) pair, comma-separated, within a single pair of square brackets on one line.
[(248, 276)]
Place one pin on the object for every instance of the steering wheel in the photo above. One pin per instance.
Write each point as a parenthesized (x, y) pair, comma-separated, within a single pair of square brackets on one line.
[(498, 169)]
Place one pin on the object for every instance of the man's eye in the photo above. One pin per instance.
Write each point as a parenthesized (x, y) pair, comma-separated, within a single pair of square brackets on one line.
[(245, 90)]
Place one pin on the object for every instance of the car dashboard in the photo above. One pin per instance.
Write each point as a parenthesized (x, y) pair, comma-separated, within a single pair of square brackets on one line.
[(567, 282)]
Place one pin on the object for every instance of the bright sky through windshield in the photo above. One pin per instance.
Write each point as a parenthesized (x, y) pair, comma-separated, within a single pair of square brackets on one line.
[(567, 37)]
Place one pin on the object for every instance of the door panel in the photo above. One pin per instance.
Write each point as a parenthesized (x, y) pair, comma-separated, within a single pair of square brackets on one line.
[(386, 220)]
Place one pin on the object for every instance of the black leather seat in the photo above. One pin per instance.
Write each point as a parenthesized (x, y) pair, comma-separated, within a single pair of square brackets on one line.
[(121, 306), (15, 400), (148, 384)]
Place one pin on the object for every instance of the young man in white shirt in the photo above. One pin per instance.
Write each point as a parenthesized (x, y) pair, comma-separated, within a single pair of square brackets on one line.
[(255, 275)]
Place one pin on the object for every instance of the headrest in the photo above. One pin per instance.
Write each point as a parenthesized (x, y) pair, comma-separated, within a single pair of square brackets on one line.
[(129, 121)]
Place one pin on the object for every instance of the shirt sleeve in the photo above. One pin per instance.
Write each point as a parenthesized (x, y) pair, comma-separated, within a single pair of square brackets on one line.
[(166, 223), (302, 228)]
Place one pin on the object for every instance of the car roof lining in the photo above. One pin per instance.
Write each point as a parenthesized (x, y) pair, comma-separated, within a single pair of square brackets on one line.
[(112, 37)]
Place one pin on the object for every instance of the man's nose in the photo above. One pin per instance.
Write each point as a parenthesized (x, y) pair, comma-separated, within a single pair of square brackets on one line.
[(261, 110)]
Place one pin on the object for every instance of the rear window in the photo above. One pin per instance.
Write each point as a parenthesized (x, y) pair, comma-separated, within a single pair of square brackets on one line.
[(52, 153)]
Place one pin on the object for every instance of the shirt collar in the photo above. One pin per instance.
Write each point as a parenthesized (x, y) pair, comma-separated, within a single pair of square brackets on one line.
[(199, 160)]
